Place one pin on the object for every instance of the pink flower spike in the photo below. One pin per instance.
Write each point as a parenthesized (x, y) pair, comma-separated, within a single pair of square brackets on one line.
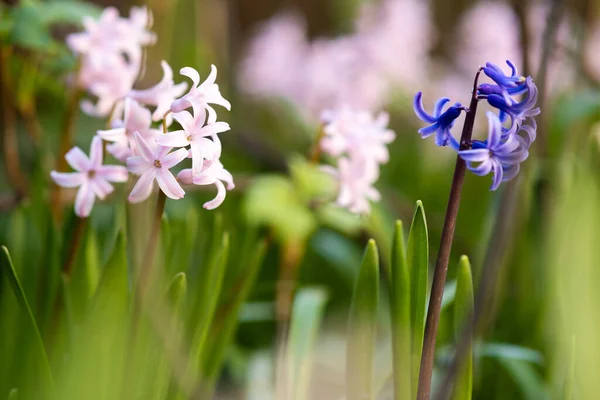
[(91, 177), (154, 163), (162, 94), (200, 95)]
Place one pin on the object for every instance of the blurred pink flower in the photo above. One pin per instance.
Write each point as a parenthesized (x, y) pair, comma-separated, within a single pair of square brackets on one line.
[(396, 38), (162, 94), (91, 177), (275, 57), (359, 142), (151, 164), (201, 94), (194, 134), (135, 119), (212, 173)]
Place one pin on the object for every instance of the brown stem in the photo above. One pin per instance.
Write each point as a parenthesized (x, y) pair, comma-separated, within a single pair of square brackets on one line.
[(68, 129), (315, 154), (76, 239), (11, 148), (441, 266)]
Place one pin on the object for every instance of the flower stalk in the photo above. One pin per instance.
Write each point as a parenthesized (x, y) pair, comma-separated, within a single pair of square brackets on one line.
[(441, 266)]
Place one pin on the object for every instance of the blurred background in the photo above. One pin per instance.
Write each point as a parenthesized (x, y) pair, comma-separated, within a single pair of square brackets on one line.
[(281, 63)]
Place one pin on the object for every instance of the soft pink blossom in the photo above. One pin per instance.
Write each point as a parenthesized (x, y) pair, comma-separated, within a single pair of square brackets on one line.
[(135, 119), (91, 177), (200, 94), (154, 163), (194, 133), (212, 173), (162, 94)]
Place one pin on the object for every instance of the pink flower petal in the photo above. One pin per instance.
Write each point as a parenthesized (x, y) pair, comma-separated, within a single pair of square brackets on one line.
[(113, 173), (142, 189), (77, 159), (186, 120), (96, 153), (212, 129), (168, 184), (101, 187), (84, 201), (68, 179), (185, 176), (192, 74), (174, 158), (197, 157), (173, 139), (143, 148), (137, 165), (112, 135)]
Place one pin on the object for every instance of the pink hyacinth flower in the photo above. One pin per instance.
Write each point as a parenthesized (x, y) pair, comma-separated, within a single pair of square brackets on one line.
[(135, 119), (213, 173), (91, 177), (194, 134), (162, 94), (201, 95), (154, 163)]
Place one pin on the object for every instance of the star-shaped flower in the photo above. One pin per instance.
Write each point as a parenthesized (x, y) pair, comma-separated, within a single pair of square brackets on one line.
[(91, 177), (194, 134), (151, 164), (201, 95)]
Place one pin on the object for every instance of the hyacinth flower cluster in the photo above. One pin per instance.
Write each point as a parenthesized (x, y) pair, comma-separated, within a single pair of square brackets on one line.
[(511, 129), (358, 141), (110, 54)]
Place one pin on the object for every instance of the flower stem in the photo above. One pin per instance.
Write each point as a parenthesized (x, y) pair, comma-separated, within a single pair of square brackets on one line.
[(146, 269), (68, 128), (441, 265), (315, 154), (74, 244)]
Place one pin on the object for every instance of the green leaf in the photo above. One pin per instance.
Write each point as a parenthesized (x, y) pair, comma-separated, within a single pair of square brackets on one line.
[(418, 263), (400, 310), (28, 29), (463, 312), (307, 313), (226, 319), (527, 379), (67, 12), (13, 394), (362, 323), (8, 271), (211, 279), (177, 290)]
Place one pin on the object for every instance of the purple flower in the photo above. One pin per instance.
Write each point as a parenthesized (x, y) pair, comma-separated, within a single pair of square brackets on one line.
[(154, 163), (91, 177), (499, 156), (517, 111), (441, 121)]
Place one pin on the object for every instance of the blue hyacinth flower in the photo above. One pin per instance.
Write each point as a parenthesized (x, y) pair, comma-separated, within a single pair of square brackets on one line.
[(518, 112), (441, 121), (506, 85), (499, 156)]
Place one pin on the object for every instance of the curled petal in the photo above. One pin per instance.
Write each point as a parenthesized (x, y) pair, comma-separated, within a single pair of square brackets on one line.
[(84, 201), (482, 169), (475, 155), (112, 135), (498, 175), (192, 74), (77, 159), (168, 184), (143, 148), (226, 177), (510, 172), (218, 200), (420, 111), (439, 106), (185, 176)]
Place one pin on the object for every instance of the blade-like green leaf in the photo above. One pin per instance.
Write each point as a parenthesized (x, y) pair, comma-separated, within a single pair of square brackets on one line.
[(417, 258), (362, 328), (463, 312), (400, 310), (211, 279), (13, 394), (226, 319), (306, 318), (177, 290), (8, 271)]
